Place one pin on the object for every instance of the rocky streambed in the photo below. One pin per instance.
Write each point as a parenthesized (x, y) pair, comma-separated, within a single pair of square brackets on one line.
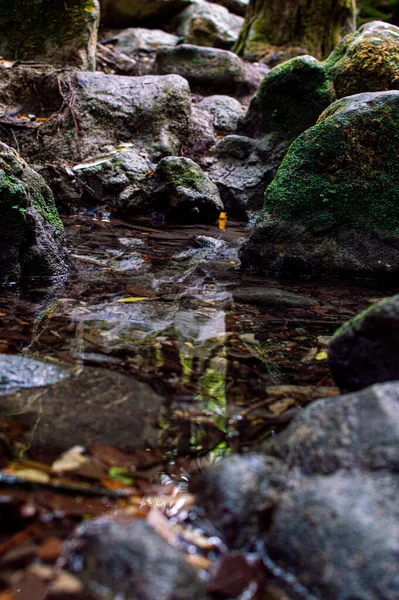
[(198, 360)]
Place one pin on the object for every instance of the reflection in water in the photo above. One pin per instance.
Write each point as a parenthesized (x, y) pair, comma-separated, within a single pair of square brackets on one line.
[(223, 372)]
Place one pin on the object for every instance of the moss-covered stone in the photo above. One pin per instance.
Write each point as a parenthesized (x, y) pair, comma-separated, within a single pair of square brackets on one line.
[(366, 61), (189, 190), (61, 33), (344, 170), (32, 239), (290, 98), (335, 196)]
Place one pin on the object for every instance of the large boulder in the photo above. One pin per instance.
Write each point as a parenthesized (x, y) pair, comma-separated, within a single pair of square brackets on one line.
[(366, 349), (358, 430), (337, 537), (97, 113), (57, 33), (123, 13), (125, 558), (207, 24), (332, 207), (32, 241)]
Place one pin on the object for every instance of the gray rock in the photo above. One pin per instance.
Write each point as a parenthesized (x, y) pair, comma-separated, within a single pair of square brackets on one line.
[(238, 7), (207, 24), (201, 135), (338, 537), (154, 109), (237, 493), (266, 296), (118, 180), (93, 406), (366, 349), (137, 38), (226, 112), (32, 240), (327, 211), (242, 168), (189, 190), (125, 558), (210, 69), (122, 13), (106, 110), (358, 430), (19, 372), (56, 33)]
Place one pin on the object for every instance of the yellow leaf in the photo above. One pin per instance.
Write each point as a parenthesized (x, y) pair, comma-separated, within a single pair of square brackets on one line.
[(222, 220), (233, 262), (32, 475), (321, 355), (132, 299)]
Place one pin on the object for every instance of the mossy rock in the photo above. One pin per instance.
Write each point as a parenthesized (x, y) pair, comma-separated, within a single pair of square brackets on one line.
[(290, 98), (32, 241), (190, 192), (337, 182), (58, 33), (366, 61), (365, 350)]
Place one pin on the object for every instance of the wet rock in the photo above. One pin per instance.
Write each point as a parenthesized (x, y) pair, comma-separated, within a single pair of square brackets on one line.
[(266, 296), (20, 372), (337, 536), (32, 241), (208, 69), (107, 110), (190, 191), (125, 558), (57, 33), (94, 406), (237, 7), (289, 99), (365, 350), (207, 24), (120, 13), (237, 493), (366, 61), (137, 38), (242, 168), (358, 430), (117, 181), (332, 206), (225, 110)]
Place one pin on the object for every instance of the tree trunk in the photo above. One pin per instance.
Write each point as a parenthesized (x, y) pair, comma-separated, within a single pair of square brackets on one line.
[(280, 29)]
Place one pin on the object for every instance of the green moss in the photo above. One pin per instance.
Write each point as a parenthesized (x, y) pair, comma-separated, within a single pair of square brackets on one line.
[(342, 172), (38, 29)]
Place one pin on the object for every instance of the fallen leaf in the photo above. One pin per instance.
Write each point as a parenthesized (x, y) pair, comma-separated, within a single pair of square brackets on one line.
[(321, 355), (32, 475), (71, 460), (130, 299)]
